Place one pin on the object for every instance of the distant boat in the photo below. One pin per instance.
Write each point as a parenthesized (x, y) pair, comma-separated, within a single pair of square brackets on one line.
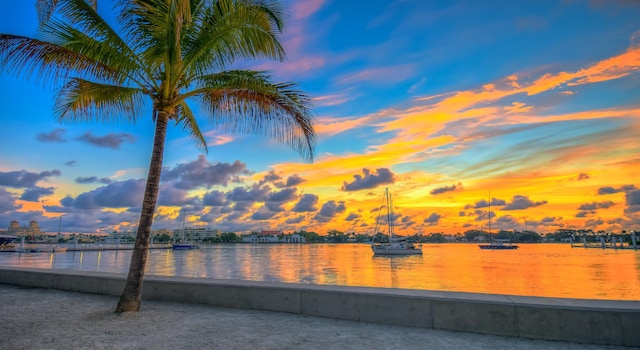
[(396, 245), (496, 244), (183, 244), (499, 244)]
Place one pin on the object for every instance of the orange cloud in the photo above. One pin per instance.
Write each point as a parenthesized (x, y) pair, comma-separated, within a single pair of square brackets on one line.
[(584, 115), (517, 107), (612, 68), (333, 126), (609, 69), (215, 139)]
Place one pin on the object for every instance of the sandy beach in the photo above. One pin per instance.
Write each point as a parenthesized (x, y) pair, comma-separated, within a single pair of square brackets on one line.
[(52, 319)]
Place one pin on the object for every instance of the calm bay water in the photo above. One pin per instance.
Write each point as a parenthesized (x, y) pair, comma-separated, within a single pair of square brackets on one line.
[(546, 270)]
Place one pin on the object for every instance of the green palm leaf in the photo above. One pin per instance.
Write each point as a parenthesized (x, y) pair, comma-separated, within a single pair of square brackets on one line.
[(81, 100)]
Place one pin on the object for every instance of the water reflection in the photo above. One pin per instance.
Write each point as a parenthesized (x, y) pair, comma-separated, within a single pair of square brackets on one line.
[(551, 270)]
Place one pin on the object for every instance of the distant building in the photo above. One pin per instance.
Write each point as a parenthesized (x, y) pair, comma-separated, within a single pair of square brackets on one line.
[(190, 233), (272, 236), (162, 231), (16, 229), (450, 238), (293, 238), (262, 237), (196, 233), (34, 227)]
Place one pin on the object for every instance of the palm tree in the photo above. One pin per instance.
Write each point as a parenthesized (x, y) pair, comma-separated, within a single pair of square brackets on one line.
[(171, 52)]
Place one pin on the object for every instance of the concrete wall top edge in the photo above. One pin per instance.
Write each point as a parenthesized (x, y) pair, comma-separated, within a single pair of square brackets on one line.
[(65, 272)]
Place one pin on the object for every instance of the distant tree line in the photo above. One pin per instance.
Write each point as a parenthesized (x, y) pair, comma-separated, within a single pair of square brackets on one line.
[(516, 236), (336, 236)]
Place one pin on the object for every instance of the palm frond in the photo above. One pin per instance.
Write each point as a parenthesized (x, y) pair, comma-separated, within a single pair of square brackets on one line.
[(190, 125), (248, 102), (82, 30), (81, 15), (77, 41), (272, 11), (157, 27), (45, 9), (232, 30), (48, 62), (82, 100)]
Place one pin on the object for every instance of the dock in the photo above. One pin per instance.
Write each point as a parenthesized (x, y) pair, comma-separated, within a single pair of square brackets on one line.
[(605, 242), (93, 247), (56, 248)]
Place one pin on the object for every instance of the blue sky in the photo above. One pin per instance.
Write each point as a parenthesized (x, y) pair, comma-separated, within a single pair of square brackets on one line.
[(440, 101)]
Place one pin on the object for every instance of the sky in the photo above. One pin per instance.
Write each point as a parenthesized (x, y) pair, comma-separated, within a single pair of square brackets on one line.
[(526, 112)]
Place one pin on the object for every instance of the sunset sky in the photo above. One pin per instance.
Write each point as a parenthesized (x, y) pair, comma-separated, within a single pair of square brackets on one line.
[(534, 104)]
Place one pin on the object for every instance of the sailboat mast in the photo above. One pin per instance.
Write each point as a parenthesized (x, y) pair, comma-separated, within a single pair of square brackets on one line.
[(184, 215), (389, 215), (490, 235)]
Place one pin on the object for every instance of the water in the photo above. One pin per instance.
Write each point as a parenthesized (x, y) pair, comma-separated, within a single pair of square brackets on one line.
[(546, 270)]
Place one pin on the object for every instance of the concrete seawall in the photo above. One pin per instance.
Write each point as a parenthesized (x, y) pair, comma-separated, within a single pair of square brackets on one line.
[(573, 320)]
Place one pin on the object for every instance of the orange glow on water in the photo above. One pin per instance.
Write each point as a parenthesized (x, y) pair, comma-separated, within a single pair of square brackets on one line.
[(544, 270), (541, 270)]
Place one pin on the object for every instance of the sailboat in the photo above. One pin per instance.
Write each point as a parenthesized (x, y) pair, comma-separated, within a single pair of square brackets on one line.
[(183, 244), (396, 245), (496, 244)]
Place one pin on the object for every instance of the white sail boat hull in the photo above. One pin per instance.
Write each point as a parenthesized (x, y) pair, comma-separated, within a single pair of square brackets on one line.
[(395, 249), (499, 244)]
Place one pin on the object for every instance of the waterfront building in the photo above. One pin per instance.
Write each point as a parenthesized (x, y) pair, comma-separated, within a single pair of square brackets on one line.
[(293, 238), (272, 236), (193, 234), (121, 237), (480, 239), (197, 234), (262, 237), (162, 231)]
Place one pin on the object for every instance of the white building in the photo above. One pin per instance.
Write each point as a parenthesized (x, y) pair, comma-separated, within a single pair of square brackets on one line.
[(195, 233), (190, 233), (272, 236), (293, 238)]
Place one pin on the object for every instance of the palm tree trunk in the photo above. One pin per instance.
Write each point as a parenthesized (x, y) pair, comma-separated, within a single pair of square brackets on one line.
[(132, 293)]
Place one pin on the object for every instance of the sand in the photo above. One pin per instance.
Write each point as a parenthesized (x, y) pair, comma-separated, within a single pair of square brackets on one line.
[(53, 319)]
